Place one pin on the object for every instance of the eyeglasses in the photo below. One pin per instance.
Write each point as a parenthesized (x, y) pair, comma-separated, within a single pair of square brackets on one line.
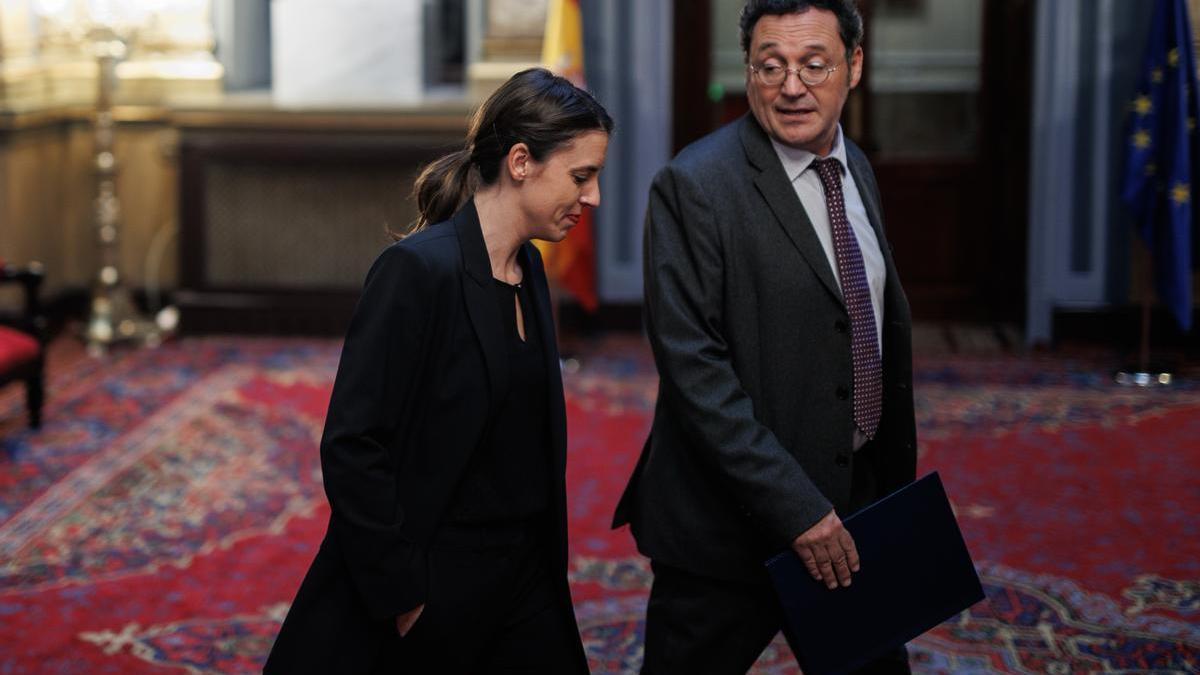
[(812, 74)]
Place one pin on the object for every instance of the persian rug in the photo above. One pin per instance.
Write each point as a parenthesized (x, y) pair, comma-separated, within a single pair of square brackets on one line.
[(164, 516)]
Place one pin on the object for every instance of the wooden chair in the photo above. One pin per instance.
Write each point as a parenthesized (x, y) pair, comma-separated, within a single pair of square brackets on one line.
[(22, 339)]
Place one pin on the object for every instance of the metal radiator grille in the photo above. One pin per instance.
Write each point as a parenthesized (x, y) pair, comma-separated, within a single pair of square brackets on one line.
[(304, 226)]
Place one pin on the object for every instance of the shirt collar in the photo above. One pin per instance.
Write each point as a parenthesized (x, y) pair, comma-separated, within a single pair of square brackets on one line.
[(795, 160)]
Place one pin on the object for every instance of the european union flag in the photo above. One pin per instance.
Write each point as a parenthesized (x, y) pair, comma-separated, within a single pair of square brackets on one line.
[(1164, 157)]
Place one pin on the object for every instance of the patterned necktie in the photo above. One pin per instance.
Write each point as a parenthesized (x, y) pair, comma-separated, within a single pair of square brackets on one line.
[(864, 348)]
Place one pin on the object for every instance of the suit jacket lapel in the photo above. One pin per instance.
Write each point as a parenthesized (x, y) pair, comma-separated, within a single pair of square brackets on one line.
[(481, 299), (775, 188), (543, 319)]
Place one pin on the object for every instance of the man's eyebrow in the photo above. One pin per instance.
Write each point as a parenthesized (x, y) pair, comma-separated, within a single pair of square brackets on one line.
[(811, 47)]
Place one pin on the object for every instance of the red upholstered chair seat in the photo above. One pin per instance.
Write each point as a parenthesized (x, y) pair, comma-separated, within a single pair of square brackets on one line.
[(23, 338), (16, 348)]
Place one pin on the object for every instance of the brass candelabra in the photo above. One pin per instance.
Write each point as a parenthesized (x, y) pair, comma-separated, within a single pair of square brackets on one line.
[(113, 317)]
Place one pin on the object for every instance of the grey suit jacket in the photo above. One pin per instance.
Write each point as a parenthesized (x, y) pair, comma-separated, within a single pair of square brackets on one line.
[(752, 436)]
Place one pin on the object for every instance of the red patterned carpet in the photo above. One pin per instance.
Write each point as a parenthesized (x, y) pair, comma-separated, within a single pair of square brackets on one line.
[(163, 518)]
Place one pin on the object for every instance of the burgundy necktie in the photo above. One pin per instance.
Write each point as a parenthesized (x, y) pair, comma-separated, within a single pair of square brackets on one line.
[(864, 348)]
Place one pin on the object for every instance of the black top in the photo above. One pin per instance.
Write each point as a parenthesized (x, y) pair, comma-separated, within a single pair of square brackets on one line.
[(508, 477)]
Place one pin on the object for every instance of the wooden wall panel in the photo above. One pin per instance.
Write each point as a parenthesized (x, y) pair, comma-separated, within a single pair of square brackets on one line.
[(47, 186)]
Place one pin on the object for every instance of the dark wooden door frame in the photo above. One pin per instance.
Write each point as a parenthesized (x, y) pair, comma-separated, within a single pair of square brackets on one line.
[(691, 67), (990, 244)]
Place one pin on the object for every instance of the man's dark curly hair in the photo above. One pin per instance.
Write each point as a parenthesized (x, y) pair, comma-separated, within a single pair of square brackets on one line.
[(850, 24)]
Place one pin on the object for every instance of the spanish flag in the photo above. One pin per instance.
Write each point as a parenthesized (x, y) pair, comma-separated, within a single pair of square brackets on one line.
[(571, 263)]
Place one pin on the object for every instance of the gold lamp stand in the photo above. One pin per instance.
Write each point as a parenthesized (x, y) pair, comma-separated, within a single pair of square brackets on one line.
[(114, 318)]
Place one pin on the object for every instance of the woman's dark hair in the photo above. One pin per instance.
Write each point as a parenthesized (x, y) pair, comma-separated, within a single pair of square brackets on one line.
[(534, 107), (850, 24)]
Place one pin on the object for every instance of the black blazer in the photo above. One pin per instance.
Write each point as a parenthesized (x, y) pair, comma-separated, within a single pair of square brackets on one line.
[(423, 363), (752, 436)]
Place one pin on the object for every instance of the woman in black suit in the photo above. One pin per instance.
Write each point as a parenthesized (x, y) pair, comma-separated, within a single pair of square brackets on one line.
[(444, 449)]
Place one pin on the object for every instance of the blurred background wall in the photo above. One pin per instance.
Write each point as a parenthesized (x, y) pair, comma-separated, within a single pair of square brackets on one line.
[(265, 147)]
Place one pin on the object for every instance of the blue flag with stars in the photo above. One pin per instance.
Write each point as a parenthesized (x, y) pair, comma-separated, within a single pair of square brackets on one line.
[(1164, 157)]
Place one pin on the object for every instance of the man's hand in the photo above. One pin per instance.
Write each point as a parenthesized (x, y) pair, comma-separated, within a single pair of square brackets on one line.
[(828, 551), (405, 621)]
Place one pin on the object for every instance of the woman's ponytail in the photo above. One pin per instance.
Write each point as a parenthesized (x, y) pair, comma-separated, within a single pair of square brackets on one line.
[(443, 186)]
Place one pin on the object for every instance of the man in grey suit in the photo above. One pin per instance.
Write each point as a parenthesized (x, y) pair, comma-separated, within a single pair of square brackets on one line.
[(783, 341)]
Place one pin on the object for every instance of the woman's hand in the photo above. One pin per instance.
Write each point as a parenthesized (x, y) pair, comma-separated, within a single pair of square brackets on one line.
[(405, 621)]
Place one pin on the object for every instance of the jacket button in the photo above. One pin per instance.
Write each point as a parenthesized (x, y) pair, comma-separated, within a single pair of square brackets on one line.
[(843, 393), (842, 460), (902, 386), (839, 326)]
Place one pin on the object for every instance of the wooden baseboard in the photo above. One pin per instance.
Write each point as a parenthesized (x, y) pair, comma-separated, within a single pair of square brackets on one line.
[(324, 313)]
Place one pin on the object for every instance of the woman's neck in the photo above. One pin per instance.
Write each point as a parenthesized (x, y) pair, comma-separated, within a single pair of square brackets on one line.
[(500, 220)]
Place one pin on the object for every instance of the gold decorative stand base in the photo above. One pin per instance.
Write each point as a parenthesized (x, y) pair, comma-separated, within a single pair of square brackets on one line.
[(115, 319), (1153, 377)]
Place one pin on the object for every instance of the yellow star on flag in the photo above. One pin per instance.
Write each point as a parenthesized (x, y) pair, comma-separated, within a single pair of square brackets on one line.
[(1141, 139), (1151, 169), (1142, 105), (1180, 194), (1156, 76), (1173, 57)]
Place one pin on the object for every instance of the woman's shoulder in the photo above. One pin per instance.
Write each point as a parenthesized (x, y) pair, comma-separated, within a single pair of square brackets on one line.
[(437, 239), (434, 248)]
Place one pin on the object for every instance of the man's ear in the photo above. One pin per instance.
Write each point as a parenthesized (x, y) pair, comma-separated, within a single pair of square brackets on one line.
[(856, 66)]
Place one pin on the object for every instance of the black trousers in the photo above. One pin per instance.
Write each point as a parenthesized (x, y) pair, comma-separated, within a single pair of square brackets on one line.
[(699, 624), (494, 606)]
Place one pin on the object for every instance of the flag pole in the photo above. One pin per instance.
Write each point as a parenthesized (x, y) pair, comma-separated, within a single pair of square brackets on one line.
[(1143, 375), (1144, 349)]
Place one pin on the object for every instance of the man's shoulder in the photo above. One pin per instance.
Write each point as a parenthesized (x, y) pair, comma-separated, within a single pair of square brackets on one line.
[(855, 154), (718, 152)]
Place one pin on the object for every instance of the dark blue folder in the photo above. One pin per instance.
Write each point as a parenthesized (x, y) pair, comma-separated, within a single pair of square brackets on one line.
[(915, 573)]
